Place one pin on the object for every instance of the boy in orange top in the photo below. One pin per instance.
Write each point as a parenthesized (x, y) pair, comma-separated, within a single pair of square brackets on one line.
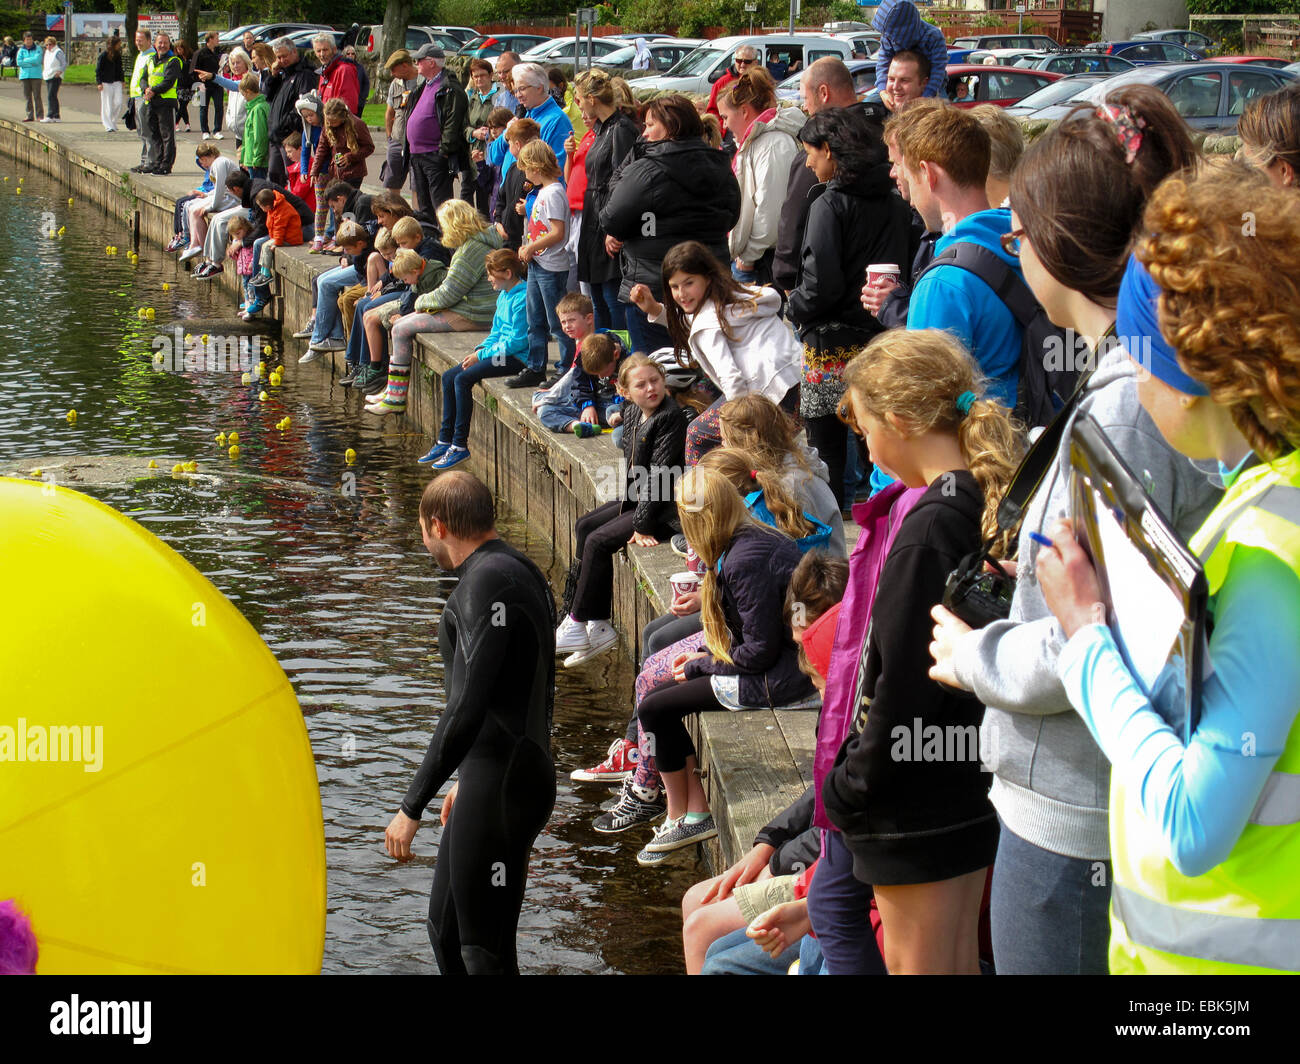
[(283, 229)]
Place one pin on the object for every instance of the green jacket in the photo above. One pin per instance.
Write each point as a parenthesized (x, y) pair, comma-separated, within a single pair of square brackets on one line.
[(255, 149), (466, 288), (477, 114)]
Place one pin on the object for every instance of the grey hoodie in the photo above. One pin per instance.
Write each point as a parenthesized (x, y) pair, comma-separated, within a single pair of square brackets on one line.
[(1051, 781)]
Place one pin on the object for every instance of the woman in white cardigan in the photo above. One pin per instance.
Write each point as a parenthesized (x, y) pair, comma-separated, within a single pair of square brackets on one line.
[(766, 146)]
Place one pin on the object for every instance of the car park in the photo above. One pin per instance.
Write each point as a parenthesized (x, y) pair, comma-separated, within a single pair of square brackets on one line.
[(369, 39), (563, 50), (1140, 53), (490, 45), (1197, 42), (963, 46), (1208, 94), (863, 45), (1255, 60), (1058, 92), (1003, 86), (998, 56), (301, 39), (1074, 62), (781, 53), (231, 37)]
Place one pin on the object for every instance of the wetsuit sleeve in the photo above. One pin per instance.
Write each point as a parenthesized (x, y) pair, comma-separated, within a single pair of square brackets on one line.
[(1202, 795), (481, 642)]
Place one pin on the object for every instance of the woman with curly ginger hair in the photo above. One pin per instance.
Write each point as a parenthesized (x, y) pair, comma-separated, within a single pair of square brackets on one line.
[(1205, 836)]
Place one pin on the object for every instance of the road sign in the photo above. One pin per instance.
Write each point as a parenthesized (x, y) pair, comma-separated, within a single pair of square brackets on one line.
[(1021, 9), (751, 7), (586, 16)]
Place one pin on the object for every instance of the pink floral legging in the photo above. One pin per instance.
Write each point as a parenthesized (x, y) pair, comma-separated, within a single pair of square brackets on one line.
[(657, 672)]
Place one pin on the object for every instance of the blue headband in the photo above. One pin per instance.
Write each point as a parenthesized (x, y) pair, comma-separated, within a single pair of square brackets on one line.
[(1138, 327)]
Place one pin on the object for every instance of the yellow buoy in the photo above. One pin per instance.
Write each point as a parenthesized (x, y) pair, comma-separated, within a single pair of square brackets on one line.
[(234, 452), (117, 880), (72, 417)]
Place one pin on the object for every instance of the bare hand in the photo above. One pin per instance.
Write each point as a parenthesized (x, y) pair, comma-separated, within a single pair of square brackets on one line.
[(570, 145), (644, 299), (887, 98), (780, 927), (481, 133), (590, 416), (448, 802), (685, 604), (468, 361), (477, 155), (873, 295), (612, 246), (526, 253), (615, 419), (1069, 582), (947, 630), (679, 664), (519, 208), (640, 539), (746, 870), (397, 839)]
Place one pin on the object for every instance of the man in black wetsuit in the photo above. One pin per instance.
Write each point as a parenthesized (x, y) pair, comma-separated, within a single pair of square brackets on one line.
[(497, 638)]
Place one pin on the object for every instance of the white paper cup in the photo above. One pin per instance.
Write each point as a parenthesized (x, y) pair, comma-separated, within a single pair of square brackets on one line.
[(684, 583), (880, 270)]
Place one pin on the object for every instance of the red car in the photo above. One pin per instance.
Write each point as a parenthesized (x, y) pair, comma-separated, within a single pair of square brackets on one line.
[(1002, 85), (1254, 60)]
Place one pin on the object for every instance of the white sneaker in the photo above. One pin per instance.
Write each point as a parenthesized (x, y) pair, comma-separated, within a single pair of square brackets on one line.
[(45, 120), (332, 344), (571, 636), (190, 253), (601, 636), (218, 136), (310, 355)]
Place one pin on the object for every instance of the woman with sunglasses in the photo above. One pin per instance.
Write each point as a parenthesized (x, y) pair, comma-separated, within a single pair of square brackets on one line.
[(746, 58), (1076, 198)]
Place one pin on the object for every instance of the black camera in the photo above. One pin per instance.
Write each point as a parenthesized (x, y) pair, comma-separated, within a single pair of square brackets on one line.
[(977, 594)]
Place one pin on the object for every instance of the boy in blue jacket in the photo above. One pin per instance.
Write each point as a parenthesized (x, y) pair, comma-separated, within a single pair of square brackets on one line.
[(575, 401), (901, 29)]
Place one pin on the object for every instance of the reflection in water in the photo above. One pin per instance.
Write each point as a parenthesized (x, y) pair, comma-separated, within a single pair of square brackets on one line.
[(326, 562)]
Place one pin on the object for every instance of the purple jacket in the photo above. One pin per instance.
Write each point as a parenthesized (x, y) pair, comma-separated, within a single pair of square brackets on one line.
[(879, 518)]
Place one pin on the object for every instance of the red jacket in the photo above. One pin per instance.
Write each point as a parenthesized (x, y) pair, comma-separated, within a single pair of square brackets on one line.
[(340, 79), (301, 186), (283, 224), (577, 187), (718, 86)]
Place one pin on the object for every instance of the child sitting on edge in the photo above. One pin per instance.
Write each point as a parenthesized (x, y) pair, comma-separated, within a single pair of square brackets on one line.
[(654, 438), (283, 229), (417, 276), (237, 230), (254, 152), (578, 404), (501, 352)]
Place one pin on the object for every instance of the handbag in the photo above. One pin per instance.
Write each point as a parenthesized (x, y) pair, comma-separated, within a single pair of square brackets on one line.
[(975, 592)]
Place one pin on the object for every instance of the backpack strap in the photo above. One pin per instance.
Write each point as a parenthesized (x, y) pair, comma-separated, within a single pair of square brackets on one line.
[(1007, 285)]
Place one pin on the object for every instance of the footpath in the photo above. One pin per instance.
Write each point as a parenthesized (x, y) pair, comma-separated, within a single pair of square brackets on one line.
[(753, 763)]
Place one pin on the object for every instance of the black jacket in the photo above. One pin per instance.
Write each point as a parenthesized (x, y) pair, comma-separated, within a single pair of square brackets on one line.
[(849, 226), (514, 187), (108, 70), (282, 91), (206, 60), (893, 311), (791, 833), (452, 105), (257, 216), (655, 451), (672, 190), (755, 573), (878, 790), (358, 206), (615, 137), (798, 199)]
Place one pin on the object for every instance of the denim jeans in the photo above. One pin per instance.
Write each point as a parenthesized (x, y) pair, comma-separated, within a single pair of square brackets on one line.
[(1050, 914), (609, 312), (358, 345), (645, 335), (558, 416), (458, 403), (329, 286), (744, 276), (545, 289), (735, 953)]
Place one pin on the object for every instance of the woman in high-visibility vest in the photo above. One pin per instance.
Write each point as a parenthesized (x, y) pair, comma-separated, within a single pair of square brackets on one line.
[(1205, 837)]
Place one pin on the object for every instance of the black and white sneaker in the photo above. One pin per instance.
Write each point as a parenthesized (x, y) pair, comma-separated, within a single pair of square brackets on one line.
[(630, 810), (678, 544), (674, 834), (305, 332)]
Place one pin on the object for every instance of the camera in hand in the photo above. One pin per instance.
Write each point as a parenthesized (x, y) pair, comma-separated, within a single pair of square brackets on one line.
[(977, 594)]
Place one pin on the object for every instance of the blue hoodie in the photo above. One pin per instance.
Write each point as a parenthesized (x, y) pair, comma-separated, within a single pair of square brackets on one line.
[(508, 337), (948, 297), (901, 28)]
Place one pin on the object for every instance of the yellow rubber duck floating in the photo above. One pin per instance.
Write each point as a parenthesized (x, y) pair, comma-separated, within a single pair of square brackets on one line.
[(153, 464), (177, 469), (221, 439), (191, 467), (234, 452), (262, 396), (72, 417), (232, 437), (349, 456)]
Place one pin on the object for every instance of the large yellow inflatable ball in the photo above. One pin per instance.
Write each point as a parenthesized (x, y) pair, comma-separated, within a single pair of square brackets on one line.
[(159, 810)]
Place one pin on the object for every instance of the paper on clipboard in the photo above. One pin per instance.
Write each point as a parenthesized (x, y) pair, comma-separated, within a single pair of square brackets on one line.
[(1146, 616)]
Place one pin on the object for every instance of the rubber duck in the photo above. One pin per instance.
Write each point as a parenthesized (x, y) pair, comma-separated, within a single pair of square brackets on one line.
[(232, 437), (153, 464), (349, 456), (261, 369), (166, 287), (157, 358), (221, 439), (69, 201), (245, 378), (263, 396), (62, 229), (72, 417), (191, 467), (177, 469), (234, 452)]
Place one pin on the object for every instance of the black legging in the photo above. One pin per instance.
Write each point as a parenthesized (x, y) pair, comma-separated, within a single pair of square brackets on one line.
[(662, 713), (601, 534), (660, 634), (479, 880), (826, 434)]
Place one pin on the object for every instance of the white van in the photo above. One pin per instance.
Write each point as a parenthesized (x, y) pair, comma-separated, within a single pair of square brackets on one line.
[(781, 53)]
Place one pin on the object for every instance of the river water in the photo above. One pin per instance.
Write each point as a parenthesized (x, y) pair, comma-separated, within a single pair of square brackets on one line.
[(329, 568)]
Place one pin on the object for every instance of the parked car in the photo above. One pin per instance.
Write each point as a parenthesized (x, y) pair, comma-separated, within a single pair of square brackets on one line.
[(302, 39), (563, 50), (232, 37), (490, 45), (460, 33), (778, 51), (848, 27), (1001, 85), (999, 56), (1035, 42), (1074, 62), (664, 54), (1140, 53), (369, 39), (1208, 94), (1255, 60), (864, 45), (1197, 42), (1292, 68), (1058, 92), (863, 72)]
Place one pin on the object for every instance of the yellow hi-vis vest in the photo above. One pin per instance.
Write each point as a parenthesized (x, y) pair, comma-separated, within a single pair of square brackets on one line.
[(138, 73), (1242, 916), (157, 74)]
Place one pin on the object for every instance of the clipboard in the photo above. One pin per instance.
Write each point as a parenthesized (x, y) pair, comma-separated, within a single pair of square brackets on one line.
[(1154, 587)]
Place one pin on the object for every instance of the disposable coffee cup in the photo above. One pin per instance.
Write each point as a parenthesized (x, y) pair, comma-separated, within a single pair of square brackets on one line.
[(880, 270), (684, 583)]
